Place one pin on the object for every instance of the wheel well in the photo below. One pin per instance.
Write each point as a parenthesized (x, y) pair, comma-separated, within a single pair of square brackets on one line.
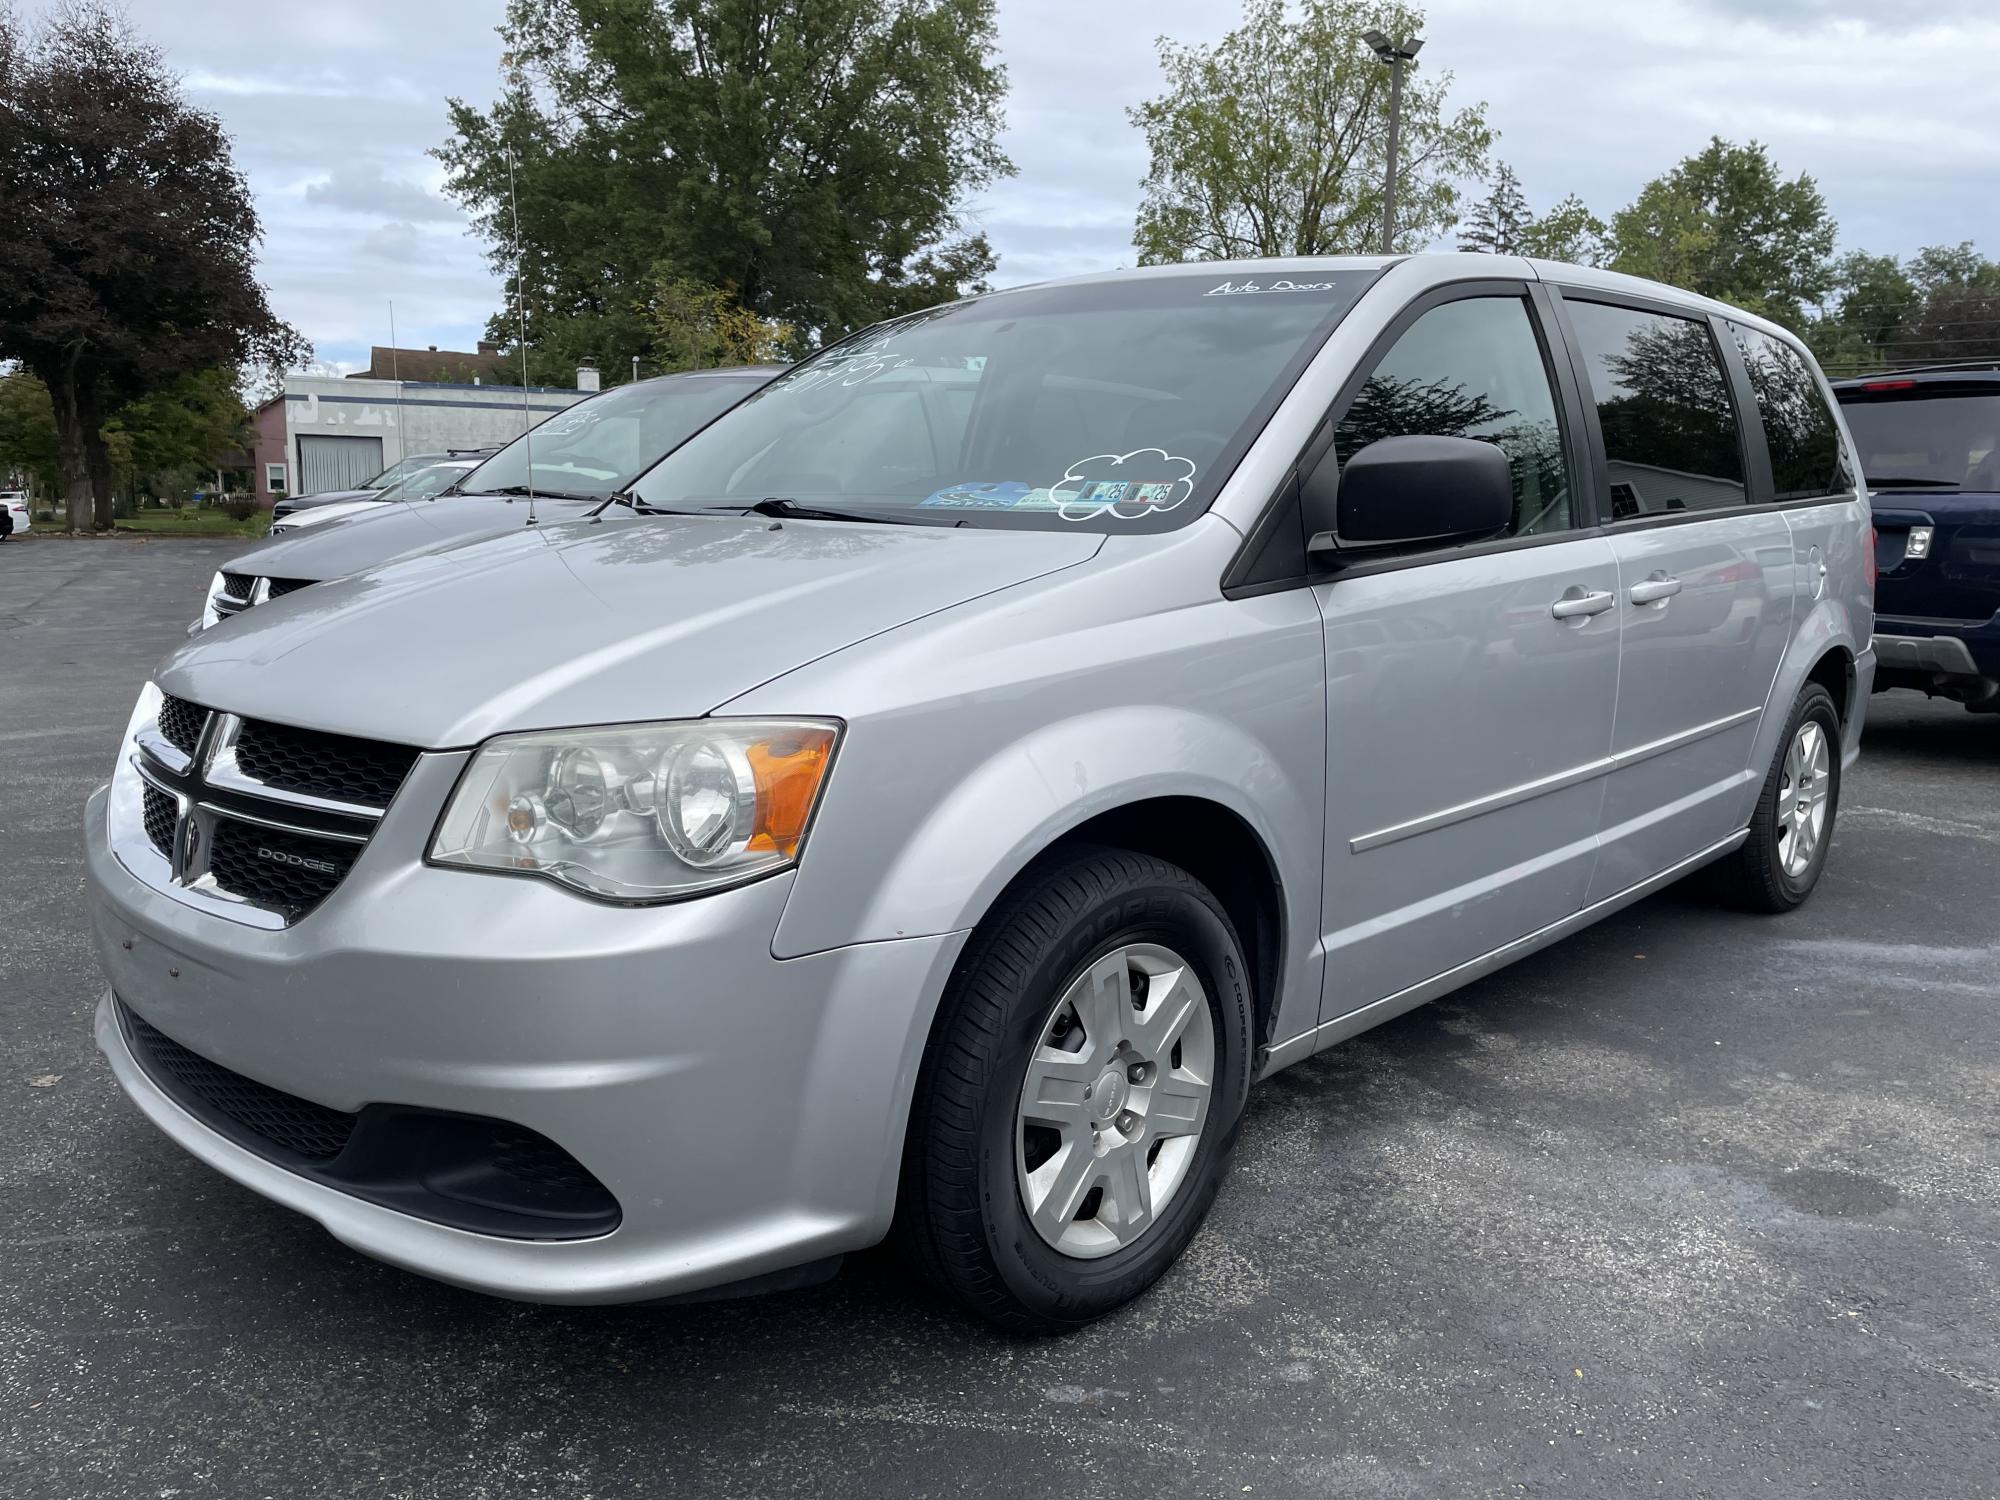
[(1835, 672), (1220, 850)]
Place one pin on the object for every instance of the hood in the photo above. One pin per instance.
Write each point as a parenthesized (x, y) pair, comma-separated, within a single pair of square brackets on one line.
[(367, 539), (590, 622), (328, 497)]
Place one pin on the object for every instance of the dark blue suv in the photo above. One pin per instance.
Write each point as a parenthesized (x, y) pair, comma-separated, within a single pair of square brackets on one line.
[(1929, 444)]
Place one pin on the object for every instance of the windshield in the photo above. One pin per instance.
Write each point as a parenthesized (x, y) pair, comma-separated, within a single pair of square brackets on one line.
[(426, 482), (402, 470), (603, 443), (1113, 405), (1943, 441)]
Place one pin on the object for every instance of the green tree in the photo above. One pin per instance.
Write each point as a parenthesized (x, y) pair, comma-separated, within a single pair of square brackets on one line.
[(130, 251), (1940, 306), (1867, 301), (810, 157), (28, 446), (1500, 222), (1725, 224), (1273, 141), (170, 440), (1568, 232), (1937, 268), (1957, 314), (166, 441), (698, 327)]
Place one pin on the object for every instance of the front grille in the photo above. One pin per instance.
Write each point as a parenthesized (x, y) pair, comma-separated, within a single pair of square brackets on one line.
[(237, 586), (296, 1126), (265, 832), (180, 723), (322, 765), (283, 586), (469, 1172), (280, 872), (160, 815)]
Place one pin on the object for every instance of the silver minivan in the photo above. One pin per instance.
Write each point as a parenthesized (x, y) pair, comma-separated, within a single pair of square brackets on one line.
[(943, 788)]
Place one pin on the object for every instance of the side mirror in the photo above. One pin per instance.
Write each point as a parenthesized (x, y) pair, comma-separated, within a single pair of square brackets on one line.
[(1406, 492)]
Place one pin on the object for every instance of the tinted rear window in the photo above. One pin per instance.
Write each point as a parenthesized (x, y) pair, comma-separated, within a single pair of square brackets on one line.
[(1670, 440), (1932, 436), (1799, 431)]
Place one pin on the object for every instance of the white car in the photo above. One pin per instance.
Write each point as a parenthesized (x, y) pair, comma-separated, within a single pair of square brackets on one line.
[(298, 520), (13, 512)]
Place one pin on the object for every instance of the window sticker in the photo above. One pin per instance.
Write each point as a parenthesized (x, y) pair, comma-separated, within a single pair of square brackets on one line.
[(583, 414), (1259, 289), (861, 358), (1124, 486), (847, 369), (1003, 495)]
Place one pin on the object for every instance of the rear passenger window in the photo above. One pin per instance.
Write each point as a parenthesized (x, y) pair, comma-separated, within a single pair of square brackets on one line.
[(1471, 368), (1670, 439), (1806, 461)]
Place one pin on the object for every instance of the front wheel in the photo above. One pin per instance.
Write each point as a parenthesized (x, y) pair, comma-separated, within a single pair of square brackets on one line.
[(1792, 829), (1080, 1093)]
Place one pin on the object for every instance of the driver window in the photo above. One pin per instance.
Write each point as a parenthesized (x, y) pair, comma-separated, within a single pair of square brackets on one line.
[(1472, 368)]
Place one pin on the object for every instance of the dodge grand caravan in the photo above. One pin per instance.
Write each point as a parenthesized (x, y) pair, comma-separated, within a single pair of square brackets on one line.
[(984, 755)]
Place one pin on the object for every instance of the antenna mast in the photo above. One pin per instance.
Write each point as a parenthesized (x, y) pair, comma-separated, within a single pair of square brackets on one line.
[(396, 374), (521, 324)]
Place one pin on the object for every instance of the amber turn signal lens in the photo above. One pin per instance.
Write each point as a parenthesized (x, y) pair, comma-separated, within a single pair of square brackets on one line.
[(788, 770)]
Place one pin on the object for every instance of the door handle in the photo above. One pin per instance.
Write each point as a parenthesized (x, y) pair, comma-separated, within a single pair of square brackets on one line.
[(1577, 603), (1654, 590)]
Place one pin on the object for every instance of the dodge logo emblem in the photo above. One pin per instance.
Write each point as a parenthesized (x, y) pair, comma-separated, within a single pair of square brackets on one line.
[(298, 861)]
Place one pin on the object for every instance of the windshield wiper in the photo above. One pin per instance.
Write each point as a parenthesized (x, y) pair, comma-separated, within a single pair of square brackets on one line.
[(786, 508), (538, 492), (1904, 481), (640, 507)]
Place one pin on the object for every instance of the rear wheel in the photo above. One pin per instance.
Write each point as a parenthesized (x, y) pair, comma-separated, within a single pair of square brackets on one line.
[(1080, 1094), (1792, 829)]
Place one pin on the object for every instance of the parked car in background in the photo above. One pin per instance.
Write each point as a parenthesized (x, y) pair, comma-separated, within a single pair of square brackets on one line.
[(373, 489), (421, 484), (13, 513), (582, 456), (974, 761), (1929, 441)]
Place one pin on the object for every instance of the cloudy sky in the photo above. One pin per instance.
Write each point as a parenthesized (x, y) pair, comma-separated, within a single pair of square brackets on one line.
[(334, 103)]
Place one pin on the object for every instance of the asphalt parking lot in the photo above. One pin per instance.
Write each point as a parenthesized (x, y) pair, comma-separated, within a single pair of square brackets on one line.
[(1695, 1204)]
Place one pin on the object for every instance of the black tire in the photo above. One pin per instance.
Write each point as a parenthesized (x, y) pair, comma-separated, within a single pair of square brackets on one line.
[(960, 1219), (1754, 877)]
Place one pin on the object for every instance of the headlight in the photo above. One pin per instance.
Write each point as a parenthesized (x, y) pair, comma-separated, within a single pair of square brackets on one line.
[(652, 812), (211, 612)]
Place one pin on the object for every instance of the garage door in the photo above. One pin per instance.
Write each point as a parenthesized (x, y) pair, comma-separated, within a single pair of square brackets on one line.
[(337, 463)]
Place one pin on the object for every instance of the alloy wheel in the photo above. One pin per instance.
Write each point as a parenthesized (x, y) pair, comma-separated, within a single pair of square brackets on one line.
[(1804, 786)]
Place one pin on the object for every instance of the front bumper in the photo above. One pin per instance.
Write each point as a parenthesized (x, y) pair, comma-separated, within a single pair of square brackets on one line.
[(747, 1112)]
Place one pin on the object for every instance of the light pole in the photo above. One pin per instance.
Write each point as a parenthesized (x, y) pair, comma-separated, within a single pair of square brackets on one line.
[(1395, 54)]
